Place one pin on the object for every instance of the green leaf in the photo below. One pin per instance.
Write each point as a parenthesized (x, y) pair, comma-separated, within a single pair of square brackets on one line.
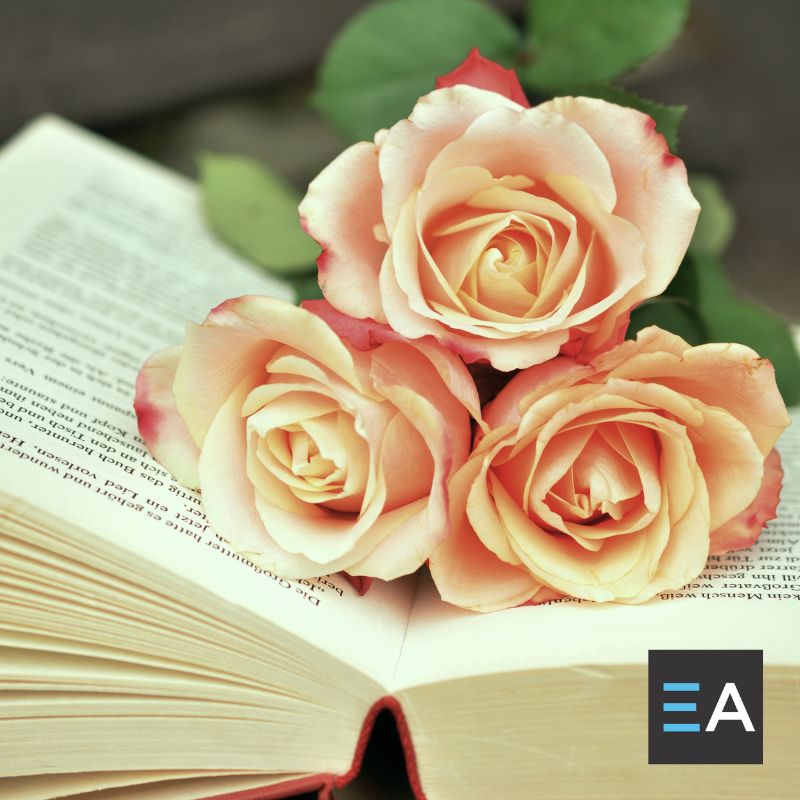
[(684, 284), (390, 54), (717, 219), (668, 118), (255, 212), (306, 287), (673, 314), (578, 42), (729, 318)]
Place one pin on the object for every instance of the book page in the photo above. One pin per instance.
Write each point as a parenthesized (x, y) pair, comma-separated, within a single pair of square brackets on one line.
[(748, 599), (103, 256)]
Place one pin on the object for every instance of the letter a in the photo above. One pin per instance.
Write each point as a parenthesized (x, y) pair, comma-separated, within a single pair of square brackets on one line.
[(730, 691)]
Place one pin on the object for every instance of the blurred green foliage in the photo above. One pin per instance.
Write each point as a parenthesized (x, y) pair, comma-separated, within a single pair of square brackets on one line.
[(254, 211), (391, 52), (717, 219), (668, 118), (576, 42), (701, 305)]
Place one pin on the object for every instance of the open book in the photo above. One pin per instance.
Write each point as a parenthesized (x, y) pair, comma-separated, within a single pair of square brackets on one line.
[(142, 658)]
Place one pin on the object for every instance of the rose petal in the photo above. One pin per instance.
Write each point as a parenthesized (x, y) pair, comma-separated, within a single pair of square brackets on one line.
[(564, 564), (504, 355), (480, 506), (229, 496), (743, 383), (686, 550), (363, 334), (464, 571), (526, 385), (406, 457), (340, 210), (237, 339), (433, 374), (544, 595), (404, 549), (616, 244), (358, 582), (482, 73), (346, 543), (743, 530), (160, 425), (447, 448), (652, 189), (268, 483), (367, 335), (534, 142), (411, 144), (330, 540)]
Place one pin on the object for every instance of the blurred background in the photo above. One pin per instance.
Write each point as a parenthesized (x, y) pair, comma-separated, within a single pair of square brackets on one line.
[(172, 78)]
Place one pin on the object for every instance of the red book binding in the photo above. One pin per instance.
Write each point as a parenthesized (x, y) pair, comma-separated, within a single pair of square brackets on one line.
[(323, 784)]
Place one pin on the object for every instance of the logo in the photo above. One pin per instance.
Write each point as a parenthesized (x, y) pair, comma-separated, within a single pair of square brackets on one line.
[(705, 706)]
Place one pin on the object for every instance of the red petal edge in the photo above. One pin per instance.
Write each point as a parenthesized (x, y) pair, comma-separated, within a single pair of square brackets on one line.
[(359, 582), (480, 72), (363, 334), (743, 530), (544, 594)]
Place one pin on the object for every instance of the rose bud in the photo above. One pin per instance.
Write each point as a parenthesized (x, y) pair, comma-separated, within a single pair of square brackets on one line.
[(312, 456), (506, 232), (614, 480)]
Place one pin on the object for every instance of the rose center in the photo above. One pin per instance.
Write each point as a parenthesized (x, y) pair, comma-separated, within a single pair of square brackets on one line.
[(602, 484), (508, 274), (319, 459), (308, 462)]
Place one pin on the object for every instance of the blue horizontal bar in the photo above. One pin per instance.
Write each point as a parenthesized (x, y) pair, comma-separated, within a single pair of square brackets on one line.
[(680, 706), (681, 687), (681, 727)]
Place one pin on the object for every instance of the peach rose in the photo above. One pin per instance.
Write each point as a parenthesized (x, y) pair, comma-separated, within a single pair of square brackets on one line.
[(312, 456), (508, 233), (614, 480)]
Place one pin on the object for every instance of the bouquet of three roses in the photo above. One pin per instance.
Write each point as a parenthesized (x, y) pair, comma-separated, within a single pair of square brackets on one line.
[(464, 395)]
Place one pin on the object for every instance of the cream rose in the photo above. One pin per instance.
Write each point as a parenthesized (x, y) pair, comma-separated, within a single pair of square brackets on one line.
[(312, 456), (614, 480), (508, 233)]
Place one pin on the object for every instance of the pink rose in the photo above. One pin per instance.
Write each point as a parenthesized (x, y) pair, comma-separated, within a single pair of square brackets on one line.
[(481, 73), (507, 233), (312, 456), (742, 531), (614, 480)]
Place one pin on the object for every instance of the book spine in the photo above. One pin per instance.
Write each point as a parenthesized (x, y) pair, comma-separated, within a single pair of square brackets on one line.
[(323, 784), (392, 705)]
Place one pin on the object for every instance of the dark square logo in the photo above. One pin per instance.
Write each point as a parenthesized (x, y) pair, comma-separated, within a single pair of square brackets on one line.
[(705, 706)]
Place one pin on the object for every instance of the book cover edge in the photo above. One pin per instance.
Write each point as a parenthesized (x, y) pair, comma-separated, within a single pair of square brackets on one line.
[(323, 783)]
